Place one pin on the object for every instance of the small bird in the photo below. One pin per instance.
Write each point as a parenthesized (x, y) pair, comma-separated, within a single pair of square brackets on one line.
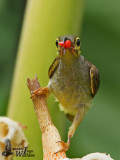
[(73, 80), (7, 151)]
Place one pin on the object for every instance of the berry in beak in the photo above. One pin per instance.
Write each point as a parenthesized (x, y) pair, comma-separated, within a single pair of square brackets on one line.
[(67, 44)]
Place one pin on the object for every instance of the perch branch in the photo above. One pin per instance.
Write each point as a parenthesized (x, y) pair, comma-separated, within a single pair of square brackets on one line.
[(50, 134)]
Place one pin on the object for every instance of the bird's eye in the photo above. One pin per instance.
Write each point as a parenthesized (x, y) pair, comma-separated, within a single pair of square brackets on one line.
[(57, 43), (78, 42)]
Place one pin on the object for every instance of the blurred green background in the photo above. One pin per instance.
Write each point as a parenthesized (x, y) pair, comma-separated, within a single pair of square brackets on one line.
[(100, 42), (11, 18)]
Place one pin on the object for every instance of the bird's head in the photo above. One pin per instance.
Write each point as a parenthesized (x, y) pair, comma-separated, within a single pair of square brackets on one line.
[(68, 46)]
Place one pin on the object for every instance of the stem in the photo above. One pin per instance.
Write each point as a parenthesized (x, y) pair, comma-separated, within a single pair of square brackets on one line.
[(40, 105), (50, 134)]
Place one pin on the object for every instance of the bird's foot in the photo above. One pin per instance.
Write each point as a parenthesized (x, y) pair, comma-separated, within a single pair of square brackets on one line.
[(40, 91), (65, 146)]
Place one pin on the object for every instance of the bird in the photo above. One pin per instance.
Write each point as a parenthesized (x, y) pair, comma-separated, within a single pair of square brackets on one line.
[(7, 151), (73, 81)]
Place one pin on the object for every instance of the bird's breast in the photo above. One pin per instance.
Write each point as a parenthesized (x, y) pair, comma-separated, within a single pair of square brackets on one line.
[(70, 85)]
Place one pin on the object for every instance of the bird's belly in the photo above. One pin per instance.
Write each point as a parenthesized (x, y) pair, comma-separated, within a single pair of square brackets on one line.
[(71, 93)]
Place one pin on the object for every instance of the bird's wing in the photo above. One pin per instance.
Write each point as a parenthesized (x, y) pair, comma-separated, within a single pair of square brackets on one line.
[(94, 79), (53, 67), (7, 145)]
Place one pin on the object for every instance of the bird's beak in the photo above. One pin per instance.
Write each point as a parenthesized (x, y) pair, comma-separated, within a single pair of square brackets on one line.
[(66, 44)]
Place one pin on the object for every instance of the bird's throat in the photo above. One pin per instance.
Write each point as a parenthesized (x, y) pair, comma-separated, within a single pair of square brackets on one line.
[(68, 57)]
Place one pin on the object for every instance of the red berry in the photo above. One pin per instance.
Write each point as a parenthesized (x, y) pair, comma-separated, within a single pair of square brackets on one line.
[(67, 44), (61, 44)]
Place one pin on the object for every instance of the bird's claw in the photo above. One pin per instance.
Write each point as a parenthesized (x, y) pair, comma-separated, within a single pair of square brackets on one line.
[(65, 146), (40, 91)]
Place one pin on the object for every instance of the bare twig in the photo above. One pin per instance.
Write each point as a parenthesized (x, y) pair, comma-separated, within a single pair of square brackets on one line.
[(50, 134)]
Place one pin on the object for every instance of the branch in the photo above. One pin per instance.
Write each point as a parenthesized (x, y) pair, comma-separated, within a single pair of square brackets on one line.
[(50, 134)]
